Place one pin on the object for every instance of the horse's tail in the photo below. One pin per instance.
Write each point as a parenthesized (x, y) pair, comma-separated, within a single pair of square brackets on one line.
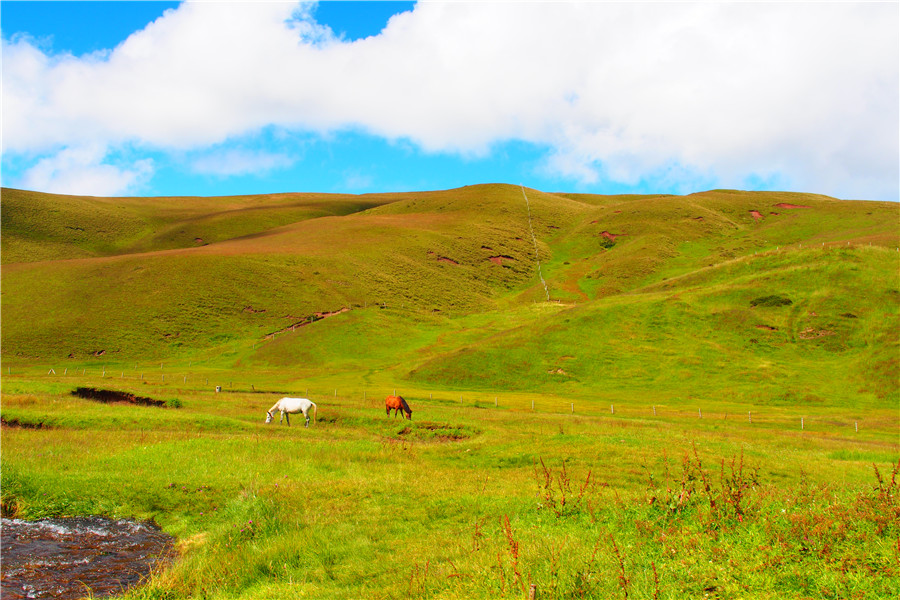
[(315, 411)]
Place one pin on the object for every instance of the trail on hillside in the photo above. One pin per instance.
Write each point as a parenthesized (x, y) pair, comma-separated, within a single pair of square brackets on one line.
[(537, 257)]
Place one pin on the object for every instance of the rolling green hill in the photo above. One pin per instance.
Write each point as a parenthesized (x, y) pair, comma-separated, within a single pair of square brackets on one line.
[(706, 405), (662, 293)]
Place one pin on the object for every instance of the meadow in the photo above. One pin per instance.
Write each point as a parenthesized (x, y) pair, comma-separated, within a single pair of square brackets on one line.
[(706, 407)]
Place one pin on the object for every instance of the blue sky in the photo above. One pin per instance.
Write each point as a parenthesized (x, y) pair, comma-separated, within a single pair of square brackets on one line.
[(165, 98)]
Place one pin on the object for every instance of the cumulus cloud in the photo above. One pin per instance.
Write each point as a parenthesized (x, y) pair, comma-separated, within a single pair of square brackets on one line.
[(806, 93), (84, 170)]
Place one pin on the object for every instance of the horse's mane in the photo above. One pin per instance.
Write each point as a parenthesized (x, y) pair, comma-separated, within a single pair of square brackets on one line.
[(405, 405)]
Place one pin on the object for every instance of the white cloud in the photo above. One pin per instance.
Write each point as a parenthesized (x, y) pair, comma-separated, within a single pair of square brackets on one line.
[(81, 170), (614, 90)]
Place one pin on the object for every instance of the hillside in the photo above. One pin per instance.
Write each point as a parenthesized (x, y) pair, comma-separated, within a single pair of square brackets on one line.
[(750, 294)]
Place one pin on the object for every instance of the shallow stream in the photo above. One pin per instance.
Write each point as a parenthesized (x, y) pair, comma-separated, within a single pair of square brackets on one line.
[(77, 557)]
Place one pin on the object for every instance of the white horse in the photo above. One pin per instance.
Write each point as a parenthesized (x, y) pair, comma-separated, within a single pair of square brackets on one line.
[(289, 406)]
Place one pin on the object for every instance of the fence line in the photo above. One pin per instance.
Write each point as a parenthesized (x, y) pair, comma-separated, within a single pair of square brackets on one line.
[(657, 412)]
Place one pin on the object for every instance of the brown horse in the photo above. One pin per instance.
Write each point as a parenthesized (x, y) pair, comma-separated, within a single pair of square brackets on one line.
[(397, 403)]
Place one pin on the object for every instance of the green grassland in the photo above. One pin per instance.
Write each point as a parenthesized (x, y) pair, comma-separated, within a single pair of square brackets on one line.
[(707, 406)]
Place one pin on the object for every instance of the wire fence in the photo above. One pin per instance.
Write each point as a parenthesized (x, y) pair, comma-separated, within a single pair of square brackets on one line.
[(713, 414)]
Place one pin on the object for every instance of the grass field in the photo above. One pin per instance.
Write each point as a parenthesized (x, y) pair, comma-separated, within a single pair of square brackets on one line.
[(708, 406)]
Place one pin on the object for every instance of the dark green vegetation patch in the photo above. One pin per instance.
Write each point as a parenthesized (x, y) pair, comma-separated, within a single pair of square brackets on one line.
[(774, 300)]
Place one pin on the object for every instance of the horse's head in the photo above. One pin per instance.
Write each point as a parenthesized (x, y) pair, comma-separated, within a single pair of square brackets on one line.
[(268, 417)]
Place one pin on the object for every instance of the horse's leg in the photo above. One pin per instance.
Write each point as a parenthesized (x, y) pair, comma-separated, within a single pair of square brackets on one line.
[(306, 414), (288, 417)]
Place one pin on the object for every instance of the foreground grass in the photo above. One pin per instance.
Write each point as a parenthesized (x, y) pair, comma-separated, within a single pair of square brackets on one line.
[(466, 502)]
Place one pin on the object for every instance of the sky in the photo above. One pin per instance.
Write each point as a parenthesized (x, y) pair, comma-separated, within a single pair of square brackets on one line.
[(226, 98)]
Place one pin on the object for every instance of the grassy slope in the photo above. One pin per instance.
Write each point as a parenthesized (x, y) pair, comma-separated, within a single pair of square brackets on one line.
[(40, 227), (683, 269), (363, 506)]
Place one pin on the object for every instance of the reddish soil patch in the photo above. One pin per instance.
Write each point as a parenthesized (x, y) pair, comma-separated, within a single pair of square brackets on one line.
[(611, 236), (786, 205), (111, 396), (498, 260), (443, 259), (767, 327), (811, 333), (756, 215), (250, 309)]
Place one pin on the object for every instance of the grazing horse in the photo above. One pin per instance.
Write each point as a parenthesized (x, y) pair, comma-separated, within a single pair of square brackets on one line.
[(289, 406), (397, 403)]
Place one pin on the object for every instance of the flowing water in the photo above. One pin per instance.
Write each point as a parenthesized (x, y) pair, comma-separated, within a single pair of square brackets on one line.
[(77, 557)]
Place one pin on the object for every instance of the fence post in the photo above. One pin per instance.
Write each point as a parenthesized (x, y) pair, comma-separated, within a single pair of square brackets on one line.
[(700, 413), (856, 424), (573, 408), (612, 409), (532, 404), (801, 424), (749, 416)]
